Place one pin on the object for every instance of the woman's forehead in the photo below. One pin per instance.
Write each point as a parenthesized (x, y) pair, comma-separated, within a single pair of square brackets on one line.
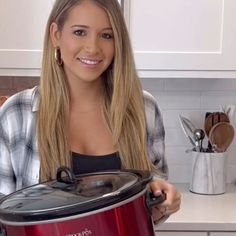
[(88, 13)]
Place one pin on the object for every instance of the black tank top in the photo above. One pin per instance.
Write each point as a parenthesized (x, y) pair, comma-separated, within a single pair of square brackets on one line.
[(88, 163)]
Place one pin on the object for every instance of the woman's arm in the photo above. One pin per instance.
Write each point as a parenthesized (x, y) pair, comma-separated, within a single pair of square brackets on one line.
[(7, 178), (156, 149), (155, 136)]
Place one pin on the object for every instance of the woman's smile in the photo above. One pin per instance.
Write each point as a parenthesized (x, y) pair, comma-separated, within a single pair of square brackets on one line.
[(89, 62)]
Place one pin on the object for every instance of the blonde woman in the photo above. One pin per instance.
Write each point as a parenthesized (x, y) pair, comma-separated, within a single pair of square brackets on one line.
[(89, 112)]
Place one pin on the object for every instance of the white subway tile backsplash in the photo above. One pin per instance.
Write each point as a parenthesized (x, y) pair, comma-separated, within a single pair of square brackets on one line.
[(177, 155), (175, 137), (179, 173), (200, 84), (152, 84), (171, 117), (231, 176), (178, 100), (191, 98), (231, 158), (213, 100)]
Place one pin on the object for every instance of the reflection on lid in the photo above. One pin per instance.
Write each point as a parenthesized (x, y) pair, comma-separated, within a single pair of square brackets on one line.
[(57, 195)]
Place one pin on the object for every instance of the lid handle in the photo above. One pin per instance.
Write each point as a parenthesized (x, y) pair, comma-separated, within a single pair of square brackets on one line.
[(68, 178)]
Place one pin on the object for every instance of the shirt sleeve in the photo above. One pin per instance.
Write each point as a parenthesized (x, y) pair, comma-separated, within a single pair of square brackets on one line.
[(155, 136), (7, 178)]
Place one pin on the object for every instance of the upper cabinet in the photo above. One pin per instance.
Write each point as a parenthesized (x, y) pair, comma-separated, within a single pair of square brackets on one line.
[(179, 38), (170, 38), (22, 26)]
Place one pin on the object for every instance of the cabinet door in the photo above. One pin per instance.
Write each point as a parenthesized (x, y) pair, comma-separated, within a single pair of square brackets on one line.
[(179, 38), (223, 234), (22, 26), (181, 233)]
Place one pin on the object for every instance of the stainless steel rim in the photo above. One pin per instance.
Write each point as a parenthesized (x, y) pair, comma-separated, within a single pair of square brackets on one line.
[(12, 223)]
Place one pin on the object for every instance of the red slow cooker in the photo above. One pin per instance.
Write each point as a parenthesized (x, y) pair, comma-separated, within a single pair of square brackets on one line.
[(115, 203)]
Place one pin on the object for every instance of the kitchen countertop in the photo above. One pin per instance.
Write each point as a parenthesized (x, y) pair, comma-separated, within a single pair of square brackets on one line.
[(203, 212)]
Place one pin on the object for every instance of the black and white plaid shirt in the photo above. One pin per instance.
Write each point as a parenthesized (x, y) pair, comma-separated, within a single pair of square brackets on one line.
[(19, 157)]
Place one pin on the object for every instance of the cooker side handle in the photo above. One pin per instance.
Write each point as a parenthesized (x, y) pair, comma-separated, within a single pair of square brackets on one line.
[(152, 200)]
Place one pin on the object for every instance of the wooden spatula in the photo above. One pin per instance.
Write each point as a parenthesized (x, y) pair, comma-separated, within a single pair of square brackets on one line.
[(221, 136), (214, 118)]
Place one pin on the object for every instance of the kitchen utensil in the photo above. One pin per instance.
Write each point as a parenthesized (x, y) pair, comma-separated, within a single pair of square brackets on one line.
[(103, 203), (214, 118), (211, 119), (198, 136), (221, 136), (188, 128), (188, 124), (209, 147)]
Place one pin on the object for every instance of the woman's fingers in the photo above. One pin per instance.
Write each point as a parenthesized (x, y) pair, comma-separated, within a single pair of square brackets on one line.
[(173, 196)]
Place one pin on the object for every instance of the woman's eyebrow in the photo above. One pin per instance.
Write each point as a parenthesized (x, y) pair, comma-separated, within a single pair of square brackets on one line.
[(81, 26), (86, 27)]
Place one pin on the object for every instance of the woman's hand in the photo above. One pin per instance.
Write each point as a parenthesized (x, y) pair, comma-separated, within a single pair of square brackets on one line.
[(170, 205)]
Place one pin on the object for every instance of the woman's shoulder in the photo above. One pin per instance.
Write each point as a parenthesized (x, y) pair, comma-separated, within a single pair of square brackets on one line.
[(148, 96), (150, 102), (152, 111), (26, 100)]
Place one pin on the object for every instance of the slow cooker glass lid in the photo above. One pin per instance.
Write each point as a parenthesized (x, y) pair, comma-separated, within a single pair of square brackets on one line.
[(93, 189)]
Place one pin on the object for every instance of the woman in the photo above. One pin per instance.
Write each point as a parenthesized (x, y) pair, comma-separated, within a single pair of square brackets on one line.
[(89, 112)]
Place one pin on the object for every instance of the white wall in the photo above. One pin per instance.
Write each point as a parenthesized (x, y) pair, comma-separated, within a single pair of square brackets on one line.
[(191, 98)]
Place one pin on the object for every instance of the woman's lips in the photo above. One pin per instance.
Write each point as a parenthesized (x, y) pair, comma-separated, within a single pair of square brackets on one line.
[(90, 62)]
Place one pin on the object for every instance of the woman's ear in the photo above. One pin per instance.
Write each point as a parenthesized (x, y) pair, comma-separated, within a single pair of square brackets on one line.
[(54, 34)]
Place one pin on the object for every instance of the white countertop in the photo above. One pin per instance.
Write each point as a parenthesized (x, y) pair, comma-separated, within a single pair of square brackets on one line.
[(203, 212)]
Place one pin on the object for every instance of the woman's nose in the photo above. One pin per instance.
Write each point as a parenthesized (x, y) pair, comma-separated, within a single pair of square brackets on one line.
[(92, 45)]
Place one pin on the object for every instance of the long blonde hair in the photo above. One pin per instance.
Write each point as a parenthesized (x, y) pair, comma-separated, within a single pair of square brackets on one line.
[(123, 105)]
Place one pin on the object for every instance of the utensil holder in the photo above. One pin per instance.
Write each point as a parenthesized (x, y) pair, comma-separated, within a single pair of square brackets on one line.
[(208, 174)]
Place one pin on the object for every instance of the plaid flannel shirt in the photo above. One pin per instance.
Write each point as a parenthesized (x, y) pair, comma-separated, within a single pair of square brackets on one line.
[(19, 156)]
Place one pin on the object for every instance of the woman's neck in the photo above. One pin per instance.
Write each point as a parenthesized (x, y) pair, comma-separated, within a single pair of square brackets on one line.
[(86, 95)]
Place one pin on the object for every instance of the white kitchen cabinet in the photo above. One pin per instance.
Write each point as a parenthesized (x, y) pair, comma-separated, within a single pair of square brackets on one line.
[(178, 233), (22, 25), (223, 234), (182, 234), (179, 38)]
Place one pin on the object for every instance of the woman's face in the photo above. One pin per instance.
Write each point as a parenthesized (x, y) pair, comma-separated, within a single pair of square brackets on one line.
[(86, 42)]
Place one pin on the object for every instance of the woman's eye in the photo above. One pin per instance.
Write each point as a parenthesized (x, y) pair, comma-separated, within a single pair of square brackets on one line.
[(80, 32), (107, 35)]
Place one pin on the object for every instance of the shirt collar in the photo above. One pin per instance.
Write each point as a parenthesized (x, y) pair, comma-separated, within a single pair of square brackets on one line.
[(35, 99)]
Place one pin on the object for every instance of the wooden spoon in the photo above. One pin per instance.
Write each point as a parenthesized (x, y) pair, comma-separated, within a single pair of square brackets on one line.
[(221, 136), (214, 118)]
